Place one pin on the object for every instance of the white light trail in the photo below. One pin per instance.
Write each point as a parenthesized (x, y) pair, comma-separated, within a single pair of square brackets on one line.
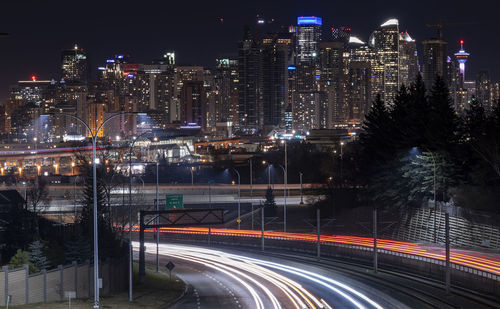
[(247, 272)]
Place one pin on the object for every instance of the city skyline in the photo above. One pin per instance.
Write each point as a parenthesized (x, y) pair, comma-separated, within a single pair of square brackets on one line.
[(104, 31)]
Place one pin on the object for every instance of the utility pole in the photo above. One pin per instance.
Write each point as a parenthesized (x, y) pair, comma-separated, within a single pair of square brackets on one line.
[(262, 228), (447, 236), (301, 198), (318, 231), (251, 189), (375, 250)]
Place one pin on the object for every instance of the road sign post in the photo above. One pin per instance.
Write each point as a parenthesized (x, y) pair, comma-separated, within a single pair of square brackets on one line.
[(174, 201), (174, 217), (170, 266)]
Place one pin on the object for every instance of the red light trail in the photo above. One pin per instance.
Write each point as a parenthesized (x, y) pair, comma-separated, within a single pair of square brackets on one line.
[(478, 260)]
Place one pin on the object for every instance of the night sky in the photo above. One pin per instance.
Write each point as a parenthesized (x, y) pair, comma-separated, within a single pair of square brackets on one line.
[(39, 30)]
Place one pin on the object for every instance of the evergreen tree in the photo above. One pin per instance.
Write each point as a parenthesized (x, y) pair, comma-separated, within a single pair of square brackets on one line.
[(376, 137), (269, 203), (37, 256), (78, 249), (269, 198), (442, 125), (21, 258)]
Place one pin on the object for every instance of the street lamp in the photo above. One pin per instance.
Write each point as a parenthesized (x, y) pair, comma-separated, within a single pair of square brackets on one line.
[(284, 197), (286, 164), (268, 174), (94, 185), (239, 198), (341, 162), (130, 213)]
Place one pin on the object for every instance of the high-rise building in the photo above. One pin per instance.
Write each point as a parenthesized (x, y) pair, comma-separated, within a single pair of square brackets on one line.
[(495, 93), (250, 110), (332, 83), (408, 59), (385, 42), (277, 54), (226, 84), (308, 36), (74, 65), (359, 91), (193, 103), (483, 89), (434, 61), (360, 80)]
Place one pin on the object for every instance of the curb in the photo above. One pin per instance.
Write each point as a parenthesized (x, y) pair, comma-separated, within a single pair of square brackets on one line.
[(172, 302)]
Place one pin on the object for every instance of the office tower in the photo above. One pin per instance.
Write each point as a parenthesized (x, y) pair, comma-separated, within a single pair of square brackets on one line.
[(308, 36), (249, 85), (211, 101), (408, 59), (483, 89), (95, 117), (495, 93), (74, 65), (360, 80), (434, 61), (226, 84), (182, 74), (385, 42), (155, 85), (276, 54), (359, 92), (306, 111), (193, 103), (462, 57), (332, 83)]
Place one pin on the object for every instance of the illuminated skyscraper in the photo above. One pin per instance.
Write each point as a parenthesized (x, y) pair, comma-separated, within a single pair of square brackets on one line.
[(462, 57), (249, 84), (333, 106), (483, 89), (74, 65), (385, 42), (408, 63), (308, 35)]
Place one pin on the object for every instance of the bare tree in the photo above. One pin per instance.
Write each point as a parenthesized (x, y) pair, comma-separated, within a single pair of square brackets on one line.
[(36, 198)]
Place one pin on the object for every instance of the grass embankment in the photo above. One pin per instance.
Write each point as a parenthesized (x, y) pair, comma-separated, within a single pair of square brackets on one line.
[(156, 292)]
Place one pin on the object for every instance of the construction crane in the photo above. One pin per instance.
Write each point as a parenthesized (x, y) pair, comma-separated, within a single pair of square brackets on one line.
[(258, 20), (442, 24)]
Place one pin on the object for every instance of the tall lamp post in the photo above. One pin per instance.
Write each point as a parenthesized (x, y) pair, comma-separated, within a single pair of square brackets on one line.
[(341, 162), (157, 204), (239, 198), (94, 185), (284, 197), (130, 260)]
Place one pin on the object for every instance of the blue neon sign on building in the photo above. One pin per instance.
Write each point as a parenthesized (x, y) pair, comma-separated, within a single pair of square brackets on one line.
[(309, 20)]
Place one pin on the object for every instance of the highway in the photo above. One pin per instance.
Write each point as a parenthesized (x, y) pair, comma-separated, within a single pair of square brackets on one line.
[(489, 262), (231, 278), (220, 279)]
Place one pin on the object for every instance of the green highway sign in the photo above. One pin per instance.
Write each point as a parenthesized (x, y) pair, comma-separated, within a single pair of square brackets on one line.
[(174, 201)]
